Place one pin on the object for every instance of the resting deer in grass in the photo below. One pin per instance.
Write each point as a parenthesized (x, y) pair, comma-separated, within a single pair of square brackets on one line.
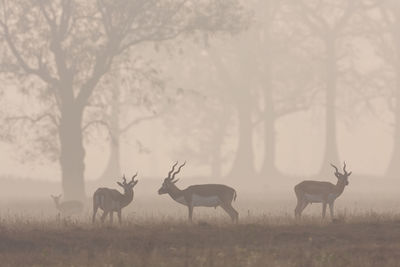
[(320, 192), (111, 200), (67, 208), (205, 195)]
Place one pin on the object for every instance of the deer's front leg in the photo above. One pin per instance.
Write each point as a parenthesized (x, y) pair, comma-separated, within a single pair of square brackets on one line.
[(119, 216), (190, 208), (323, 209), (331, 205), (103, 216)]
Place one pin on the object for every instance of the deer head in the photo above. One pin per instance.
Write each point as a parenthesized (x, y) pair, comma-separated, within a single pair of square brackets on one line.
[(56, 199), (342, 177), (128, 186), (170, 180)]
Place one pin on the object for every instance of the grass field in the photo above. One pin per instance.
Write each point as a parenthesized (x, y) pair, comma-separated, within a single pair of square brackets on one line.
[(154, 232), (364, 240)]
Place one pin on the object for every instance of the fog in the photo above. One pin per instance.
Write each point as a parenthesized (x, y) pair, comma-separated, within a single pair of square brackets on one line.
[(257, 95)]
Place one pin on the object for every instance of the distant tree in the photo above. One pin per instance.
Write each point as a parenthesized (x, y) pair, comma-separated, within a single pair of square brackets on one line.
[(327, 20), (383, 32), (263, 84), (68, 46), (202, 122)]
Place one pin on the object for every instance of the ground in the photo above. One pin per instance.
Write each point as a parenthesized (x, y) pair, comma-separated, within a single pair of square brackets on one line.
[(368, 240), (155, 232)]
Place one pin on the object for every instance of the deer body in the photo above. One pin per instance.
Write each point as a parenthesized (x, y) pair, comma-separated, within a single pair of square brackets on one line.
[(205, 195), (111, 200), (320, 192)]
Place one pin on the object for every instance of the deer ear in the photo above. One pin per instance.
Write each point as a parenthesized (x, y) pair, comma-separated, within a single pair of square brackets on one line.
[(349, 174), (174, 182), (135, 182), (120, 184)]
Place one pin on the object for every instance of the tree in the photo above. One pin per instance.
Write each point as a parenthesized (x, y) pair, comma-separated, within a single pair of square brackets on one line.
[(327, 20), (383, 21), (70, 45)]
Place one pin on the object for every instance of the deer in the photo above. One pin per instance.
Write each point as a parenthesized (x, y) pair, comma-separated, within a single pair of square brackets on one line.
[(111, 200), (321, 192), (67, 208), (204, 195)]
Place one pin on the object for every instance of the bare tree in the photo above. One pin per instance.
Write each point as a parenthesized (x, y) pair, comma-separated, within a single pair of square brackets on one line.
[(326, 20), (70, 45), (385, 34)]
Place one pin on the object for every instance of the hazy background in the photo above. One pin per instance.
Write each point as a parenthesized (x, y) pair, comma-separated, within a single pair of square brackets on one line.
[(258, 95)]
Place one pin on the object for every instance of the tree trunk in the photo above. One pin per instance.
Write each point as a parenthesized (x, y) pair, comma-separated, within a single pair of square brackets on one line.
[(244, 158), (113, 169), (268, 167), (393, 169), (72, 152), (331, 150)]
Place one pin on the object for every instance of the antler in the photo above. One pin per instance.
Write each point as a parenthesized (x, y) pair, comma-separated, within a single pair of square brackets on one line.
[(179, 169), (133, 177), (344, 167), (173, 167), (337, 171), (124, 179), (133, 182)]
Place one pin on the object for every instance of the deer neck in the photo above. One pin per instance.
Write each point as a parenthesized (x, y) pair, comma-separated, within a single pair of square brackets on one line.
[(174, 192), (127, 198), (57, 204), (340, 185)]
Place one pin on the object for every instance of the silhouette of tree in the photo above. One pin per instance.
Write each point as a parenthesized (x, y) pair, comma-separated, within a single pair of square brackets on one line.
[(327, 21), (70, 45), (383, 32), (135, 92)]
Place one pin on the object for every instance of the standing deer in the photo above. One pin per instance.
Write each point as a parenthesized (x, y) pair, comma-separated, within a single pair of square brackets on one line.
[(205, 195), (320, 192), (67, 208), (111, 200)]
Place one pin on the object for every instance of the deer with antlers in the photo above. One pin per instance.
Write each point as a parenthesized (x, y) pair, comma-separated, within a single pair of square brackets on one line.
[(321, 192), (205, 195), (111, 200)]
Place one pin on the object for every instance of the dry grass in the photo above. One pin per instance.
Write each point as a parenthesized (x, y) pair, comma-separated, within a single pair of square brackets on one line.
[(368, 239)]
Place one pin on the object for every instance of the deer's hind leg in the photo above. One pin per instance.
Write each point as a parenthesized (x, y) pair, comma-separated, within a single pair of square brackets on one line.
[(301, 205), (95, 208), (298, 208)]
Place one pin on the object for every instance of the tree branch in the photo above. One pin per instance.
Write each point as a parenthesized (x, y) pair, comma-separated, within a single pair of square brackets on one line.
[(94, 122), (34, 120), (139, 120), (40, 72)]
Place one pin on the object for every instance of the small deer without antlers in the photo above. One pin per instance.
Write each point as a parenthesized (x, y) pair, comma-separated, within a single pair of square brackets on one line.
[(111, 200), (320, 192), (69, 207), (205, 195)]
